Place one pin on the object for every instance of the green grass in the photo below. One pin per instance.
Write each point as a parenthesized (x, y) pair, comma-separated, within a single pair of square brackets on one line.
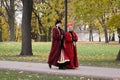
[(98, 54), (94, 54), (21, 75), (11, 51)]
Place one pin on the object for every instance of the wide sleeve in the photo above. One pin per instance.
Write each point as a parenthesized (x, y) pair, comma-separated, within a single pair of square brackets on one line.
[(55, 34), (68, 37)]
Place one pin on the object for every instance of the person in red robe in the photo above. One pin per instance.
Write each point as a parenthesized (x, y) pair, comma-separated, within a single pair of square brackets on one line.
[(70, 47), (57, 46)]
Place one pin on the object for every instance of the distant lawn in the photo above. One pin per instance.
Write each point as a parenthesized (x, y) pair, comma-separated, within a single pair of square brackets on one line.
[(95, 54)]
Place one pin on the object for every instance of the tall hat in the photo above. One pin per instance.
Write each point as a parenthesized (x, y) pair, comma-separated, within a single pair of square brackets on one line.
[(58, 21), (69, 25)]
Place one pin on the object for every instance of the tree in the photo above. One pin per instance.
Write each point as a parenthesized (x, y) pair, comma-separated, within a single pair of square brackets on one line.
[(118, 31), (0, 29), (115, 23), (26, 27), (90, 10), (46, 12), (118, 56), (10, 9), (4, 29), (0, 21), (38, 29)]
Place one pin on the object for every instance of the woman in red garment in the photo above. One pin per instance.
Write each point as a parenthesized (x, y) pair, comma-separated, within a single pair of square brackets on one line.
[(70, 47), (57, 45)]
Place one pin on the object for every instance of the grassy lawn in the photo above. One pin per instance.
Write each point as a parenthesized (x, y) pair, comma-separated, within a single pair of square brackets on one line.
[(21, 75), (98, 54), (91, 54)]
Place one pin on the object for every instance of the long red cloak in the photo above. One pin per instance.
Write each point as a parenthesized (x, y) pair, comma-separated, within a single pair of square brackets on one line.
[(56, 46), (70, 49)]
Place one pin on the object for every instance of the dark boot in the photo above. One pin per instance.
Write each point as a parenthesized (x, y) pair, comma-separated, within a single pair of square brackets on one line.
[(61, 67), (50, 66)]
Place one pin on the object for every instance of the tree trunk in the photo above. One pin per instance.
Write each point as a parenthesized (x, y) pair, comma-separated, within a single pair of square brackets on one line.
[(1, 23), (26, 27), (49, 34), (11, 19), (11, 16), (119, 40), (0, 33), (113, 36), (118, 31), (110, 36), (102, 22), (99, 36), (90, 36), (11, 24), (118, 56), (106, 34)]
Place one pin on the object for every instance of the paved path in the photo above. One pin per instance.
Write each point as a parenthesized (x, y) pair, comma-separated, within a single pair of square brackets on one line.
[(82, 71)]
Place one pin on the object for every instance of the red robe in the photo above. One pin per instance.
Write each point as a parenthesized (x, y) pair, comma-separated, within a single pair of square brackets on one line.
[(56, 46), (70, 49)]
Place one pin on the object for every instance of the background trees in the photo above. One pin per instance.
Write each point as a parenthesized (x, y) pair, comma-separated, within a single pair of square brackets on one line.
[(0, 23), (46, 12), (100, 10), (101, 15)]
